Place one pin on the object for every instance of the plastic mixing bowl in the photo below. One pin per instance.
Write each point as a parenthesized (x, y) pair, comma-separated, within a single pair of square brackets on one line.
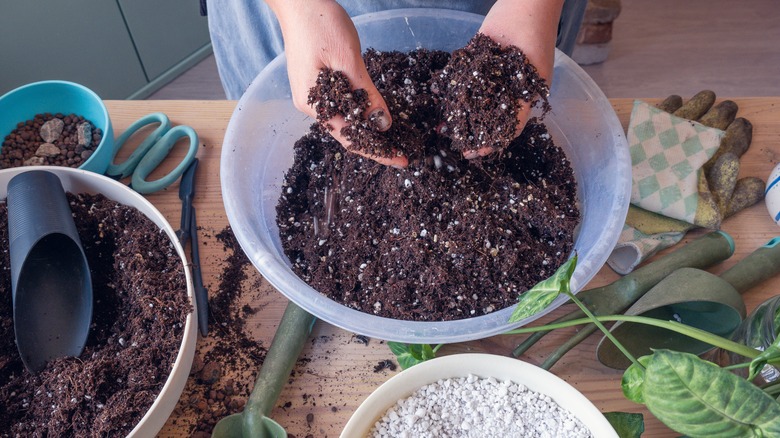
[(258, 150)]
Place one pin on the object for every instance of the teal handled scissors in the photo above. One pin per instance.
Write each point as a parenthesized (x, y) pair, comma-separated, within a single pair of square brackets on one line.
[(151, 152)]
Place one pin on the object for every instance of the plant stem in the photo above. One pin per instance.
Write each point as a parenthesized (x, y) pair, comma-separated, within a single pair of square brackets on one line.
[(772, 389), (604, 330), (692, 332), (737, 366), (436, 348)]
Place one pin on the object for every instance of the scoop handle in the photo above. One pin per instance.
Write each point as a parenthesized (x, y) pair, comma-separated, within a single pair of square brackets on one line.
[(290, 337), (760, 265)]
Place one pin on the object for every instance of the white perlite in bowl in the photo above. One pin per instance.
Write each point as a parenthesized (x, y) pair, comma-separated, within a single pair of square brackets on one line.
[(477, 407)]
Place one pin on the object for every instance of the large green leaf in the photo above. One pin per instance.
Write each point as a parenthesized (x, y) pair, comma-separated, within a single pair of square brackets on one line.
[(545, 292), (700, 399), (627, 425)]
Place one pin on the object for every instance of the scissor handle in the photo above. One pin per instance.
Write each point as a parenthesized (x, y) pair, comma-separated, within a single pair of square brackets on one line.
[(126, 168), (157, 154)]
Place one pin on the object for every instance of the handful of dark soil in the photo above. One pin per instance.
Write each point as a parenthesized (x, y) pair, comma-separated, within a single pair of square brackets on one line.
[(445, 238), (140, 308), (481, 91), (471, 97)]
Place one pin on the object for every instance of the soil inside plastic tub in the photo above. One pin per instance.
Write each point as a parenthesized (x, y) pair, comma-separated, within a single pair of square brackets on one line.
[(445, 238)]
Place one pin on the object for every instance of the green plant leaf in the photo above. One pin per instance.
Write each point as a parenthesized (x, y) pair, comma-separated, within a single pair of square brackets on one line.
[(698, 398), (771, 354), (540, 296), (626, 424), (409, 355), (634, 380)]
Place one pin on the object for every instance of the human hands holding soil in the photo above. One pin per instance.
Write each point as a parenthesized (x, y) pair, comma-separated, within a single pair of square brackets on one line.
[(483, 117), (531, 26), (322, 36)]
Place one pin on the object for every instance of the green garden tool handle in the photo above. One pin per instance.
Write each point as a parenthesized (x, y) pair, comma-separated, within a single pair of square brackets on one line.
[(706, 251), (618, 296), (290, 337), (756, 267)]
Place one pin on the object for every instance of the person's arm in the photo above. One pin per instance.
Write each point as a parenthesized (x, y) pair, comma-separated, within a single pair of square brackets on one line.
[(531, 25), (319, 34)]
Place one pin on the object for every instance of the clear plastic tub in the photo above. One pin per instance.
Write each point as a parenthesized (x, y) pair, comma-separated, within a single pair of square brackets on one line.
[(258, 150)]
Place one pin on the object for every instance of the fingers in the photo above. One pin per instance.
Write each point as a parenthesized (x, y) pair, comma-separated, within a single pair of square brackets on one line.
[(523, 114), (397, 161), (482, 152), (336, 124), (377, 110)]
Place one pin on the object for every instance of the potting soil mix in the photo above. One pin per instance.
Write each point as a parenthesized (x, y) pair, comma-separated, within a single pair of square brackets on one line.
[(445, 238)]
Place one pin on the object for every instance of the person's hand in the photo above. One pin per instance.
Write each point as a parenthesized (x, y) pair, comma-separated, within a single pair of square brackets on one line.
[(532, 26), (320, 34)]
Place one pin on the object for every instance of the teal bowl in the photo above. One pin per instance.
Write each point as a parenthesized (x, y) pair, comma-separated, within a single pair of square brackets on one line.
[(23, 103)]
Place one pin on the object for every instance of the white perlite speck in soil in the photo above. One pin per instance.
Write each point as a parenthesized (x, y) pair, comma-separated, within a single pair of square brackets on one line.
[(477, 407)]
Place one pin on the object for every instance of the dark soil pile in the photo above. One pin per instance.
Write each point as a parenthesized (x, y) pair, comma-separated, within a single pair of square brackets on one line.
[(139, 312), (443, 239)]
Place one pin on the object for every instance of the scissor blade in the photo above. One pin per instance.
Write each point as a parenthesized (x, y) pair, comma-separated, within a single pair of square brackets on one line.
[(186, 193), (201, 293)]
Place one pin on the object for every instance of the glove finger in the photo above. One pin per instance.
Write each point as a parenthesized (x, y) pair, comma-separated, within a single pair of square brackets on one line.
[(722, 178), (748, 191), (671, 104), (721, 115), (738, 137), (697, 106), (736, 141), (707, 213)]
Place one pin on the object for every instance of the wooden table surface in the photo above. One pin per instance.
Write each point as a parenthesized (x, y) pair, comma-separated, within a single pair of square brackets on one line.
[(340, 373)]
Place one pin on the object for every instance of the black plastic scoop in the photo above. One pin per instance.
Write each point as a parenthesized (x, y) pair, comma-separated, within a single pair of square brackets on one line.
[(50, 280)]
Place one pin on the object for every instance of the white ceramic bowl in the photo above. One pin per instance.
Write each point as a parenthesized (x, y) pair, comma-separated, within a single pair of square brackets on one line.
[(82, 181), (258, 150), (501, 368)]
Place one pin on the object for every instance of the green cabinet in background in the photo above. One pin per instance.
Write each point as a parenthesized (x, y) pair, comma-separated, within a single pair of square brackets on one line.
[(121, 49)]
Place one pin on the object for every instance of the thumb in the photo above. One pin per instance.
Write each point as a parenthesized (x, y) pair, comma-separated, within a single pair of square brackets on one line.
[(377, 110)]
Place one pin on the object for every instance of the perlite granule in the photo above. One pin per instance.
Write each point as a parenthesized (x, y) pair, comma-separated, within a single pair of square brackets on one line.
[(477, 407)]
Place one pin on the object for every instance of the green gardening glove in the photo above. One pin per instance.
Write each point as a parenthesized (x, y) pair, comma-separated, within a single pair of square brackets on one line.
[(685, 162)]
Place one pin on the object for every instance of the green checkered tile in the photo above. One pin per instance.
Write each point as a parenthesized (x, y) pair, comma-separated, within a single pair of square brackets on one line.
[(658, 162), (682, 170), (692, 146), (644, 131), (638, 154), (690, 203), (669, 138), (647, 186), (669, 196)]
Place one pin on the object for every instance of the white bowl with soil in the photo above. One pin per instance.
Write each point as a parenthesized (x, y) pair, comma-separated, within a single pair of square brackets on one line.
[(258, 151), (537, 397), (155, 387)]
